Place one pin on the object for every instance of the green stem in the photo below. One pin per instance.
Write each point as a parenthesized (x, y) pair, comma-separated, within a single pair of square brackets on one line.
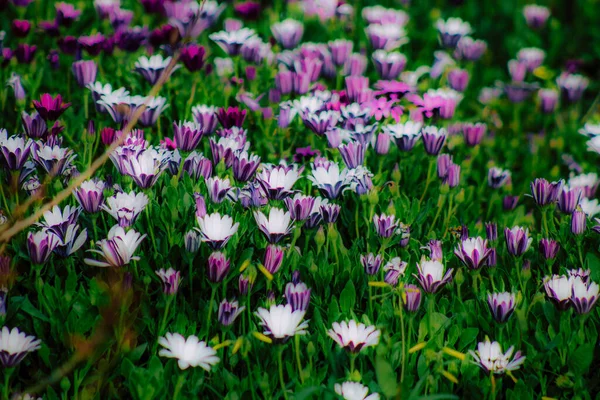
[(163, 322), (298, 362), (403, 337), (427, 181), (7, 374), (280, 368), (178, 386), (210, 307)]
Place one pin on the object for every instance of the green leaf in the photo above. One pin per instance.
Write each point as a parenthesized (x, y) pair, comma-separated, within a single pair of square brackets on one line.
[(348, 297), (581, 359), (34, 312), (386, 377)]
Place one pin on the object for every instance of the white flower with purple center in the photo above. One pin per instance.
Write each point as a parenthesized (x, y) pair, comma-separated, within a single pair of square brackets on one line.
[(490, 358), (473, 252), (117, 249), (354, 391), (501, 305), (281, 322), (125, 207), (15, 345), (330, 181), (288, 32), (276, 226), (278, 180), (354, 336), (189, 352), (216, 230), (431, 275), (151, 68)]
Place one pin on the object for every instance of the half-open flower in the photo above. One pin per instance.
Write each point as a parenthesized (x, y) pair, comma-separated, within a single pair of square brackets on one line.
[(354, 336), (216, 230), (14, 346), (275, 227), (473, 252), (281, 322), (490, 357), (189, 352), (117, 249)]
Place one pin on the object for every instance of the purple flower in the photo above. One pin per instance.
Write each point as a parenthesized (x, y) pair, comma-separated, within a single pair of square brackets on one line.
[(340, 50), (510, 202), (66, 13), (277, 181), (206, 117), (217, 267), (532, 57), (548, 100), (473, 252), (559, 289), (54, 160), (355, 65), (458, 79), (405, 135), (431, 275), (90, 195), (41, 244), (321, 121), (170, 279), (276, 226), (357, 88), (330, 212), (452, 177), (230, 117), (353, 154), (517, 240), (192, 57), (299, 206), (388, 65), (20, 27), (130, 39), (578, 222), (371, 263), (25, 53), (229, 311), (92, 44), (452, 30), (152, 68), (470, 49), (536, 16), (518, 92), (84, 72), (433, 139), (569, 198), (15, 152), (584, 295), (491, 231), (197, 166), (572, 86), (244, 165), (231, 42), (473, 133), (297, 295), (393, 270), (386, 36), (192, 241), (288, 33), (549, 248), (412, 297), (273, 258), (501, 305), (385, 225), (498, 177), (187, 135), (544, 192), (50, 108), (218, 188)]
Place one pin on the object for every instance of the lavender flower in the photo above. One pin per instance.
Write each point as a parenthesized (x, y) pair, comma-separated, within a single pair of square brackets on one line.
[(229, 311), (170, 279), (501, 305), (431, 275), (217, 267), (117, 249), (473, 252)]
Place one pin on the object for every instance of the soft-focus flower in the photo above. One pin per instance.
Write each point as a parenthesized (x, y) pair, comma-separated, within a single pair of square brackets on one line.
[(578, 222), (189, 352), (405, 135), (412, 297), (50, 108), (431, 275), (280, 322), (14, 346), (549, 248), (354, 336), (288, 33), (151, 68), (490, 357), (117, 249), (452, 30), (217, 267), (433, 139), (536, 16), (501, 305), (84, 72), (393, 269), (559, 290), (371, 263)]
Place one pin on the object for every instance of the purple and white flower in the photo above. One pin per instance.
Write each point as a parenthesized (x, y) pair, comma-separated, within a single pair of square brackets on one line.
[(431, 275), (490, 358), (216, 230), (276, 226), (354, 336), (117, 249)]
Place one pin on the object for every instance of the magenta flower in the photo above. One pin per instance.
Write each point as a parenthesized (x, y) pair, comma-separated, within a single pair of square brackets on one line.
[(50, 108)]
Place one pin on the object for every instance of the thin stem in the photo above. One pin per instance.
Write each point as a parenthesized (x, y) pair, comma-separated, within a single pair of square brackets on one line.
[(178, 386), (403, 337), (298, 362), (427, 181), (280, 368), (210, 307), (163, 322), (7, 374)]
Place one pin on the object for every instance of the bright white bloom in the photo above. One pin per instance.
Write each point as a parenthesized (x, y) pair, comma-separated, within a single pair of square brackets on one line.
[(590, 130), (559, 288), (125, 207), (354, 337), (216, 230), (278, 225), (431, 275), (354, 391), (594, 144), (278, 180), (15, 345), (189, 352), (490, 357), (281, 322), (453, 26), (590, 207), (117, 249), (330, 180)]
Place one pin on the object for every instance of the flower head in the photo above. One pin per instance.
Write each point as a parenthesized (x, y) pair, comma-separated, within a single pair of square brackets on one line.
[(473, 252), (354, 336), (431, 275), (281, 322), (216, 230), (189, 352), (276, 226), (117, 249), (501, 305), (489, 356), (14, 346)]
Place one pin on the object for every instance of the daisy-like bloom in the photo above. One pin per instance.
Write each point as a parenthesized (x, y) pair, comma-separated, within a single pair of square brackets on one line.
[(354, 336), (14, 346), (297, 294), (15, 152), (41, 244), (536, 16), (431, 275), (206, 117), (549, 248), (517, 240), (50, 108), (559, 290), (125, 207), (569, 198), (330, 181), (55, 160), (489, 356), (117, 249), (320, 121), (587, 182), (452, 30), (473, 252), (281, 322), (66, 13), (34, 125), (152, 68), (433, 139), (589, 207), (498, 177), (353, 153), (385, 225), (244, 165), (405, 135), (371, 263), (231, 42), (170, 279), (278, 180), (155, 107), (584, 295), (388, 65), (187, 135), (217, 267), (532, 57), (354, 391), (197, 166), (572, 85), (146, 166), (299, 206), (229, 311), (393, 269), (216, 230), (330, 212), (470, 49), (189, 352), (217, 188), (386, 36), (90, 195), (275, 227), (501, 305), (288, 33)]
